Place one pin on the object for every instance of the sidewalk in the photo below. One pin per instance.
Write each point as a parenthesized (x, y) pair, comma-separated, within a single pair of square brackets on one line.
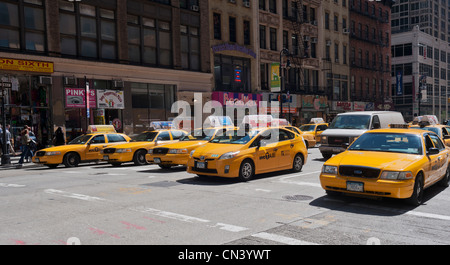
[(15, 162)]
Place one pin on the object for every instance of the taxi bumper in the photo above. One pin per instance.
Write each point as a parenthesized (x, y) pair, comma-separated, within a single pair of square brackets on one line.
[(331, 149), (118, 157), (228, 168), (400, 189), (56, 159), (168, 159)]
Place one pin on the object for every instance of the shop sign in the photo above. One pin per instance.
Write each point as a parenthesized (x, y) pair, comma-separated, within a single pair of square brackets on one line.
[(233, 47), (236, 99), (314, 102), (26, 65), (76, 98), (110, 99), (341, 105)]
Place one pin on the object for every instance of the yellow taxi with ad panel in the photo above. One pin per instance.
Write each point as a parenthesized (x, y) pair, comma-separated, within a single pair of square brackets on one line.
[(177, 153), (397, 163), (84, 148), (241, 153), (136, 150), (314, 128)]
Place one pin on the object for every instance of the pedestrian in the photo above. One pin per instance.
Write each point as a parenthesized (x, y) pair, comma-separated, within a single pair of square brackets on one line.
[(1, 140), (9, 147), (59, 137), (26, 151)]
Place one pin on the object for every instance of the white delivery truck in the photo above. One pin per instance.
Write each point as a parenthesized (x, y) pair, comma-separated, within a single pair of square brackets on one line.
[(348, 126)]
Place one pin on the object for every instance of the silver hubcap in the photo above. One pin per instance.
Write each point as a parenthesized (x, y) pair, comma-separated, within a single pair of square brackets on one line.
[(298, 163), (247, 170)]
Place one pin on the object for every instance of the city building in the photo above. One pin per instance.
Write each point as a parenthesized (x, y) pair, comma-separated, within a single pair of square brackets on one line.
[(134, 57)]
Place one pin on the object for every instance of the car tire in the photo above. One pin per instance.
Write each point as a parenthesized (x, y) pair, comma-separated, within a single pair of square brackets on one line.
[(445, 181), (246, 170), (297, 164), (139, 158), (71, 160), (416, 198)]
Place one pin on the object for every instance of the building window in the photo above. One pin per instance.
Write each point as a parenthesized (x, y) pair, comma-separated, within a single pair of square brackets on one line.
[(273, 6), (327, 20), (246, 32), (344, 54), (22, 34), (232, 73), (190, 47), (86, 29), (262, 37), (232, 28), (217, 27), (149, 41), (273, 39)]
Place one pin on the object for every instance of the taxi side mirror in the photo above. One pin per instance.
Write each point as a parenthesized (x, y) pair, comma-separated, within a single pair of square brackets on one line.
[(433, 151)]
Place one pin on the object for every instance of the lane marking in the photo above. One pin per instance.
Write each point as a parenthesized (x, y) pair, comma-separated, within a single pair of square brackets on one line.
[(6, 185), (230, 228), (311, 184), (73, 195), (429, 215), (282, 239), (171, 215)]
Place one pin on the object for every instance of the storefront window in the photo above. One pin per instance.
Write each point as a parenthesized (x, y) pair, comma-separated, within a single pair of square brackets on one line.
[(232, 73)]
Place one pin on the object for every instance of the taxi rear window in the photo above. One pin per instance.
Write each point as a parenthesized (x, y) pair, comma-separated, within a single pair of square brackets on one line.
[(388, 142)]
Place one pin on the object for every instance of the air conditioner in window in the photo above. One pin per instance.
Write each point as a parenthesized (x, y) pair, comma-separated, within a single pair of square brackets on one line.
[(45, 80), (314, 40), (314, 22), (345, 31), (118, 83), (70, 81), (306, 38), (194, 7), (328, 42), (247, 4)]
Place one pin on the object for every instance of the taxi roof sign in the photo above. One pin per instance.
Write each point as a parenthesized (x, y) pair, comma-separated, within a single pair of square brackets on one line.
[(399, 126), (101, 129), (257, 120), (217, 121), (316, 120), (279, 122), (430, 119), (162, 125)]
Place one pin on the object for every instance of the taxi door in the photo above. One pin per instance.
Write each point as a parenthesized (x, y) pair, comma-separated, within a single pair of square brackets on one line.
[(95, 146), (283, 151), (266, 154), (438, 161)]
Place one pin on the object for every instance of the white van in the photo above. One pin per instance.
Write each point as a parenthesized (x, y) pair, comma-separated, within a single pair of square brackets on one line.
[(346, 127)]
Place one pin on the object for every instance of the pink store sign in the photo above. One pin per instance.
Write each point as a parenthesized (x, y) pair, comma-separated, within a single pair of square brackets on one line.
[(76, 98)]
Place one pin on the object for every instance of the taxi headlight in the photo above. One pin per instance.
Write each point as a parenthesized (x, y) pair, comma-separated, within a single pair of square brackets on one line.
[(178, 151), (229, 155), (52, 153), (123, 150), (330, 169), (396, 175)]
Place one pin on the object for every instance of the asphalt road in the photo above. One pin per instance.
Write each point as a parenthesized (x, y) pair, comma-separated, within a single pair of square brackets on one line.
[(98, 204)]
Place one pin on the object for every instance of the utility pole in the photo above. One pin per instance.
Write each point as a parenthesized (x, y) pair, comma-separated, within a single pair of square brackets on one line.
[(285, 52), (6, 160)]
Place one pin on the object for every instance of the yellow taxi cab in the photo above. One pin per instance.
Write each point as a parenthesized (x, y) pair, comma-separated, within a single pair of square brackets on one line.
[(136, 150), (314, 128), (84, 148), (309, 139), (431, 124), (241, 153), (395, 162), (177, 153)]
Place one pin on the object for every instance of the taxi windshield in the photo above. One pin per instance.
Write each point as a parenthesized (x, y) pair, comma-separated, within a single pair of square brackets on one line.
[(199, 135), (350, 122), (144, 137), (388, 142), (234, 137), (307, 128), (82, 139)]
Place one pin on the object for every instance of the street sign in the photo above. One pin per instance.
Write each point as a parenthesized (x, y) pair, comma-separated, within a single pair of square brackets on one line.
[(4, 85)]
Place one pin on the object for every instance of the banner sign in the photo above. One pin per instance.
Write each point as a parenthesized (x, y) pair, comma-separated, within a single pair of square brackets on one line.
[(275, 84), (399, 85), (26, 65), (110, 99)]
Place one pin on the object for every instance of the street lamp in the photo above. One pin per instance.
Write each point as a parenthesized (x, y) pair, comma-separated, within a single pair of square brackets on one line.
[(285, 52)]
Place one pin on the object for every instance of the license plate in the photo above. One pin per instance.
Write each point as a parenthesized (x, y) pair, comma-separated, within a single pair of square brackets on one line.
[(157, 160), (355, 186), (37, 160), (201, 165), (105, 157)]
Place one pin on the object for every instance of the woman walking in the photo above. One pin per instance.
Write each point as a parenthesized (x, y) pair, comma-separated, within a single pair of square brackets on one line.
[(26, 149)]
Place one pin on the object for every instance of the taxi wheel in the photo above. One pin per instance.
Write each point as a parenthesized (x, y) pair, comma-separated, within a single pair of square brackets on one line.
[(247, 170), (297, 165), (71, 160), (139, 158), (445, 181), (416, 198)]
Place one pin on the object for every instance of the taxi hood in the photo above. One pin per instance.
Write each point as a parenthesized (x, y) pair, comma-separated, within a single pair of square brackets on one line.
[(63, 147), (343, 132), (381, 160), (218, 149)]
